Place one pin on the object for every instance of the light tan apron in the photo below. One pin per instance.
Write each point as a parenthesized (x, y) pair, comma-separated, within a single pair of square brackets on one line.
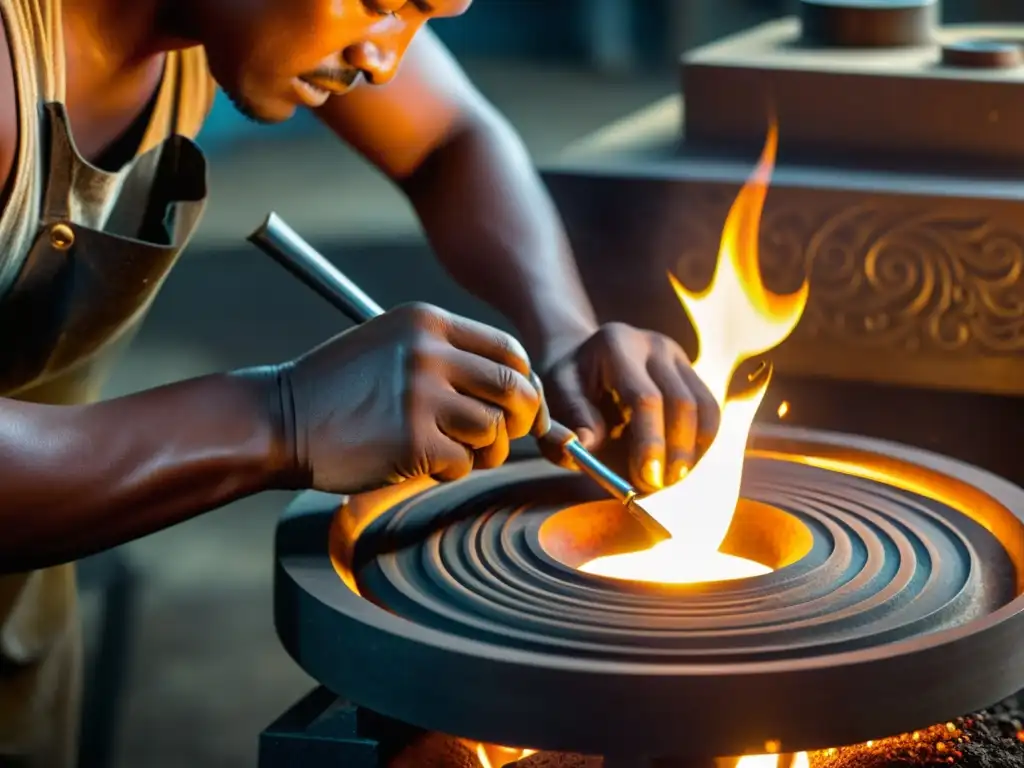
[(77, 300)]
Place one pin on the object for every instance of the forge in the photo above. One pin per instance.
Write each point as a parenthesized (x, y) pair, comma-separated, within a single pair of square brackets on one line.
[(878, 497), (461, 610)]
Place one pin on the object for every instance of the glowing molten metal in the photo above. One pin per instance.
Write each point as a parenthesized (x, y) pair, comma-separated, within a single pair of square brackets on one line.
[(736, 318)]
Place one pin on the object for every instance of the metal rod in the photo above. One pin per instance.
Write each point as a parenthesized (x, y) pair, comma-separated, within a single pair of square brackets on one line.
[(603, 476), (283, 244), (616, 486)]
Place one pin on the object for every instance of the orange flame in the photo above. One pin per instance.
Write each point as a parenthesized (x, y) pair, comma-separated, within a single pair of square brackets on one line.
[(494, 756), (800, 760), (736, 318)]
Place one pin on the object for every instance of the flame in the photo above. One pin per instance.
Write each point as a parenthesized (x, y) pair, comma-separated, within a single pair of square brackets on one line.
[(494, 756), (736, 318), (800, 760)]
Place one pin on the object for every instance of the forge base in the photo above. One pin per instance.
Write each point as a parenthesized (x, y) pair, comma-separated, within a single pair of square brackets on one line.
[(323, 730)]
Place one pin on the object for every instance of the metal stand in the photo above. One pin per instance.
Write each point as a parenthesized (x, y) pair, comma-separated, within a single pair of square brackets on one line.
[(112, 575), (320, 730), (324, 731)]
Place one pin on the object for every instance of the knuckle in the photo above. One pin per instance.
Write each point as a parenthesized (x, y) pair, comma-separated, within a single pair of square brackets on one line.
[(622, 333), (507, 383), (610, 333), (421, 353), (685, 405), (665, 345), (650, 446), (496, 424), (647, 400), (424, 315), (493, 419), (510, 347)]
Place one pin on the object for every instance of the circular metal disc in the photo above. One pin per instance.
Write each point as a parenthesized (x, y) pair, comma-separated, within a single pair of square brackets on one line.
[(904, 611), (868, 23)]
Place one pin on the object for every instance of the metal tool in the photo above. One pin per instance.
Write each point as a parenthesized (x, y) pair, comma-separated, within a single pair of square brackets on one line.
[(283, 244)]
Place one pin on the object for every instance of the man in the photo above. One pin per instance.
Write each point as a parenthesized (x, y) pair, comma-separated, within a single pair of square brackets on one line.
[(98, 100)]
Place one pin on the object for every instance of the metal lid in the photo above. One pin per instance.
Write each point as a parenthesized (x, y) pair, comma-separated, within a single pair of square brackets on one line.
[(868, 23), (984, 54)]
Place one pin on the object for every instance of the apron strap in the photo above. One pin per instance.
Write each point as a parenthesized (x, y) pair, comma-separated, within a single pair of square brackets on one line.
[(60, 160)]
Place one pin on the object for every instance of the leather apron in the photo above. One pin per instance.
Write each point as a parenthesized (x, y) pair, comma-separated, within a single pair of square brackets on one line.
[(78, 299)]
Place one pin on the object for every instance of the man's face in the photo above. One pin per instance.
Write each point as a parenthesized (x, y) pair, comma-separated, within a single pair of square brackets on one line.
[(271, 56)]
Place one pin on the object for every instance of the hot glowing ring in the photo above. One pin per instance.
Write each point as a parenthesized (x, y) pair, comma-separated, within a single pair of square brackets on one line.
[(904, 612)]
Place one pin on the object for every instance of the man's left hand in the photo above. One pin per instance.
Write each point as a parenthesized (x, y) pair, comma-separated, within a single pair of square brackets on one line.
[(643, 383)]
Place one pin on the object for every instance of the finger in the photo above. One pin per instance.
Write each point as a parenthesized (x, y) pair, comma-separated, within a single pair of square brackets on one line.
[(485, 341), (643, 407), (477, 426), (552, 445), (470, 422), (681, 417), (493, 455), (497, 385), (569, 403), (448, 460), (709, 414)]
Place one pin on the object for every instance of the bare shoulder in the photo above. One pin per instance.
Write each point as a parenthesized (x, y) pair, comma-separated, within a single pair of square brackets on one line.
[(8, 113)]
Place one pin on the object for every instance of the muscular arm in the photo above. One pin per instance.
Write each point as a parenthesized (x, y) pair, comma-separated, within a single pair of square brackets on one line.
[(482, 204), (77, 479)]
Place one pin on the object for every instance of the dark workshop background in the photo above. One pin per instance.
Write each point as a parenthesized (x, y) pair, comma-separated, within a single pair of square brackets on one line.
[(187, 612)]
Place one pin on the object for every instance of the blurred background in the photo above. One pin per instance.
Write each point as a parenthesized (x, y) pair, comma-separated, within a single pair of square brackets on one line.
[(186, 614)]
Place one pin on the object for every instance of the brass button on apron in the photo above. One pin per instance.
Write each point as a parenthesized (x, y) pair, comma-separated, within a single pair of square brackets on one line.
[(62, 236)]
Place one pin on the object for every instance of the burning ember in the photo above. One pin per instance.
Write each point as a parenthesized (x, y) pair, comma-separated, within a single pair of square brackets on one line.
[(989, 739), (736, 318)]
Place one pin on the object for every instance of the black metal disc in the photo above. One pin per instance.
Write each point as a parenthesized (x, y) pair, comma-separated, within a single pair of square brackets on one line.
[(904, 611)]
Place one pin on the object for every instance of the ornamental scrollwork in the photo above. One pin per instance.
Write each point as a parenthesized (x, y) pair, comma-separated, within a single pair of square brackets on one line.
[(925, 279)]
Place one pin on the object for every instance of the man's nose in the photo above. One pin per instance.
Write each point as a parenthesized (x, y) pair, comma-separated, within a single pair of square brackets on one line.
[(378, 62)]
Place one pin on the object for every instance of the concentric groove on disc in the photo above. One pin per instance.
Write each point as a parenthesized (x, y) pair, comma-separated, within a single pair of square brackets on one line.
[(903, 612), (885, 565)]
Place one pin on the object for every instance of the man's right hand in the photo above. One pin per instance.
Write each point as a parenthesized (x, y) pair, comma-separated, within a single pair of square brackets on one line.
[(416, 391)]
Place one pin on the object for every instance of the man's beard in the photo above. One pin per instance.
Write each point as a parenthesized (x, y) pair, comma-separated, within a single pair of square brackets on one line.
[(247, 109)]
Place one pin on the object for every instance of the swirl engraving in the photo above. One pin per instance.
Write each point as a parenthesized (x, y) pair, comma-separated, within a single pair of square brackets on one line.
[(885, 273), (934, 281)]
